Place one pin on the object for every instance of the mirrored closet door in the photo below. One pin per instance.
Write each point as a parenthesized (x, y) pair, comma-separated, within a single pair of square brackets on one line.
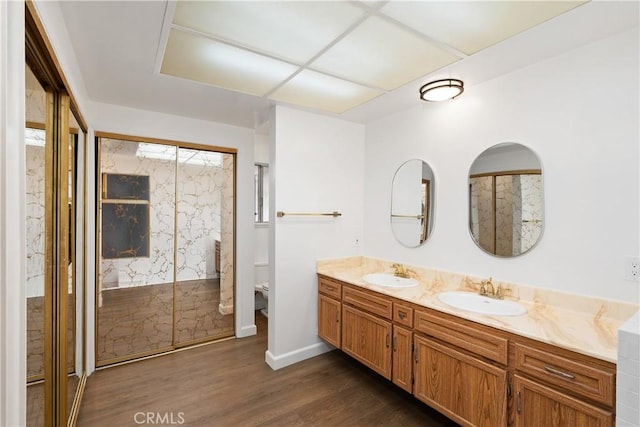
[(165, 239), (54, 246)]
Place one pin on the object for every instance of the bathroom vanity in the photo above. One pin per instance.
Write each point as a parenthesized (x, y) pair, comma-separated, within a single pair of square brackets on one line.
[(477, 370)]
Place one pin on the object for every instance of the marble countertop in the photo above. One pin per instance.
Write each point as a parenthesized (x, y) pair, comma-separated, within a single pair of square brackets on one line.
[(583, 324)]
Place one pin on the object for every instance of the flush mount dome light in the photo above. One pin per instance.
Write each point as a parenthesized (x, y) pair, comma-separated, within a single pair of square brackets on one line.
[(440, 90)]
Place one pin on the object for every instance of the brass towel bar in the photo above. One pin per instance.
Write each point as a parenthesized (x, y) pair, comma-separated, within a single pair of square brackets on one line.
[(280, 214), (408, 216)]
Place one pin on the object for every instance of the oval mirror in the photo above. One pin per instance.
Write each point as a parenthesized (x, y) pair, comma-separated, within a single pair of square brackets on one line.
[(412, 200), (506, 216)]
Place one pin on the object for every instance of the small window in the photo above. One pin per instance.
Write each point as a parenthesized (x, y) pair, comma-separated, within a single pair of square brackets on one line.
[(261, 196)]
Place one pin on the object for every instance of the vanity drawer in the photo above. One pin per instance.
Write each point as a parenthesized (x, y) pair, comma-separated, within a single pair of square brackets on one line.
[(586, 380), (473, 339), (329, 287), (382, 306), (403, 314)]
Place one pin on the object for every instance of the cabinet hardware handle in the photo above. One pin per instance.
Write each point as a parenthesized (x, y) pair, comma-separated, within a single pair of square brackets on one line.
[(402, 315), (559, 373), (509, 390), (518, 403), (330, 288), (387, 340), (395, 346), (338, 317)]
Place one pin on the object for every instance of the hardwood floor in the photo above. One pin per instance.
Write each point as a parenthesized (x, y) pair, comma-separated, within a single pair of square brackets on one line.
[(229, 384)]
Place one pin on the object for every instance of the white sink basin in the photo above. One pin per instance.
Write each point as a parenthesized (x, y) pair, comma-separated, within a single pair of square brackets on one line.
[(389, 280), (470, 301)]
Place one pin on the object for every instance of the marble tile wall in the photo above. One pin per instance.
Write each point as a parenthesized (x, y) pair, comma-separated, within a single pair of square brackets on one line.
[(505, 215), (628, 375), (482, 211), (227, 248), (35, 210), (200, 185), (518, 213), (120, 157), (532, 190), (35, 99)]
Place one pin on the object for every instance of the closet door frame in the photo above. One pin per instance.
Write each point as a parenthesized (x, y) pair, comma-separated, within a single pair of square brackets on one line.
[(40, 57), (178, 144)]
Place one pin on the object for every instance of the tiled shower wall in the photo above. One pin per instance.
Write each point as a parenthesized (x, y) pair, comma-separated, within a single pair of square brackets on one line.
[(227, 249), (120, 157), (35, 199), (531, 215), (628, 375), (518, 212), (199, 217), (35, 112)]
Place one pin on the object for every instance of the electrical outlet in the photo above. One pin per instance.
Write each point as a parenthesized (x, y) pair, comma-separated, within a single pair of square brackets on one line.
[(632, 269)]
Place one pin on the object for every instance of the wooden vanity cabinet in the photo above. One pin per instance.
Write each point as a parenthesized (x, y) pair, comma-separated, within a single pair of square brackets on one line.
[(557, 388), (463, 387), (402, 363), (329, 315), (366, 328), (472, 373), (367, 338), (460, 370), (539, 405), (330, 311)]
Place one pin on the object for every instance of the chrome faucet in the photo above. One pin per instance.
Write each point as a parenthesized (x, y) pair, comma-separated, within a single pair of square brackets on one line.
[(401, 271), (488, 290)]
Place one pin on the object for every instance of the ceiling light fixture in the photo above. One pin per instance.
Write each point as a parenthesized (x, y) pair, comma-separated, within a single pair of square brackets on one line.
[(441, 90)]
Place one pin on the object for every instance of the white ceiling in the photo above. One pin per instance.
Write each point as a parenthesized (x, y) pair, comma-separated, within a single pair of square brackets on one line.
[(334, 55), (120, 47)]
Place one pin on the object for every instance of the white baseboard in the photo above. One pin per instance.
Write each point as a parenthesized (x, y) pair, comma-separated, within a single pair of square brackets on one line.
[(278, 362), (247, 331)]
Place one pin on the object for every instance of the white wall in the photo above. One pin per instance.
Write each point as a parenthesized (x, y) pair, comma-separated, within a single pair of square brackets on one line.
[(316, 166), (13, 369), (579, 112)]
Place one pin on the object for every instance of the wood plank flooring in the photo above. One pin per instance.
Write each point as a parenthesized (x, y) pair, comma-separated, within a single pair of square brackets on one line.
[(229, 384)]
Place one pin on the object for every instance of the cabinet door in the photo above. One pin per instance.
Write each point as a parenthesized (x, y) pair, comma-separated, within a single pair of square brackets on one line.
[(367, 339), (538, 405), (329, 320), (402, 360), (466, 389)]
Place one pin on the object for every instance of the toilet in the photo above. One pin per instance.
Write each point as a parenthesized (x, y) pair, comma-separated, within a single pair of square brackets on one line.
[(263, 289)]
